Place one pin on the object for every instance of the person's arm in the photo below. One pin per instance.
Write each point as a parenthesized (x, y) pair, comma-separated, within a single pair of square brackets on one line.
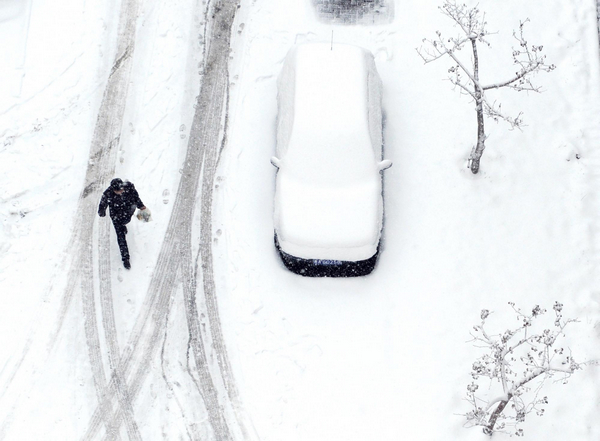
[(136, 198), (103, 205)]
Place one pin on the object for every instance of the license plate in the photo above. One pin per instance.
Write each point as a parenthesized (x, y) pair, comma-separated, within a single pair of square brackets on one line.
[(327, 262)]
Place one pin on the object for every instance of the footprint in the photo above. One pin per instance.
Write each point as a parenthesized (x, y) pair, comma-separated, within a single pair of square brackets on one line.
[(383, 54), (8, 141), (218, 234), (304, 37), (166, 194)]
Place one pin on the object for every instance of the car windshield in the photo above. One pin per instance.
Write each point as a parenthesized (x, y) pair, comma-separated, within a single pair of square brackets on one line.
[(332, 164)]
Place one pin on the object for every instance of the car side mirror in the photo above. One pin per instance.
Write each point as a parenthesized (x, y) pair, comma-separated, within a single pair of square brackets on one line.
[(384, 165), (275, 161)]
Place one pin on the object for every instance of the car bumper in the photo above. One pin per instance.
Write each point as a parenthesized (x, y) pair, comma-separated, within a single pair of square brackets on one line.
[(326, 267)]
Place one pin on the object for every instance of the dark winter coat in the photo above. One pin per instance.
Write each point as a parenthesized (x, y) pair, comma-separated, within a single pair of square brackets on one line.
[(121, 206)]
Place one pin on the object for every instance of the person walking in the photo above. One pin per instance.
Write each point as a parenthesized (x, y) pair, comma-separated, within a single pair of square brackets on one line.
[(122, 198)]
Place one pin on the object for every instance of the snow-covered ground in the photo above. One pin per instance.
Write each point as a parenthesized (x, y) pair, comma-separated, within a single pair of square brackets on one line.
[(383, 357)]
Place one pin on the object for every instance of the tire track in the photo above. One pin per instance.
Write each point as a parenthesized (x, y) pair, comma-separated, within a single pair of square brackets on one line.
[(110, 331), (101, 168), (92, 338), (140, 366), (206, 385), (219, 119), (143, 341), (217, 107), (188, 428), (212, 310), (176, 248), (137, 355)]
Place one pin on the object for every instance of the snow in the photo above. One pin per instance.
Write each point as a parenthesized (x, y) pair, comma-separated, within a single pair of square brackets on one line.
[(380, 357), (320, 222), (329, 141), (331, 100), (328, 202), (386, 356)]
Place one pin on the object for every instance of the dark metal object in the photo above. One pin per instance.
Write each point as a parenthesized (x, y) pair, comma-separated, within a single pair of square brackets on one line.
[(326, 268), (354, 11)]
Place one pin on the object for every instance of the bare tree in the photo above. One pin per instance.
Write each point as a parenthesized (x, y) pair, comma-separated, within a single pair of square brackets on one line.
[(465, 76), (517, 362)]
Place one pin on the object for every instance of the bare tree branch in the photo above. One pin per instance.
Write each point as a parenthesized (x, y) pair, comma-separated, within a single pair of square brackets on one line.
[(528, 58), (515, 358)]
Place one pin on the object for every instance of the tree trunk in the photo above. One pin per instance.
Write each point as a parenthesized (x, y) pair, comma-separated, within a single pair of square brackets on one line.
[(489, 429), (480, 146), (478, 149)]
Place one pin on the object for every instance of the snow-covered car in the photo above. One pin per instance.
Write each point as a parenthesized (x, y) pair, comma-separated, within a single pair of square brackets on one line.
[(328, 209)]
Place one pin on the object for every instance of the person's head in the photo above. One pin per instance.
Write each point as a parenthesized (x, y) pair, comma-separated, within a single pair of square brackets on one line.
[(117, 185)]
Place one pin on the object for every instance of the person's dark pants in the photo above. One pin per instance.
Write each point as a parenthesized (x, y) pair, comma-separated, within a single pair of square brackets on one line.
[(120, 228)]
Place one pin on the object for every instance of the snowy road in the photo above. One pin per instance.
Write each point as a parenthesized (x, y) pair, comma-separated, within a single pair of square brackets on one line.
[(208, 336), (176, 258), (101, 168), (120, 372)]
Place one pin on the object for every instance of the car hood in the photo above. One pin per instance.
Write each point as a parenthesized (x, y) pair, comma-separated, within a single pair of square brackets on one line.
[(328, 222)]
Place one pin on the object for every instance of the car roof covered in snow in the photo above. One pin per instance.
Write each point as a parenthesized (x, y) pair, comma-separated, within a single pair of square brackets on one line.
[(329, 141)]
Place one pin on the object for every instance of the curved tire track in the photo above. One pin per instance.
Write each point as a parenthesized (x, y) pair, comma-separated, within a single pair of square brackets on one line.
[(101, 168), (110, 332), (175, 254), (217, 119)]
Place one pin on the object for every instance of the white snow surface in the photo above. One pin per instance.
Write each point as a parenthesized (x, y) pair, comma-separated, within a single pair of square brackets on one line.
[(383, 357), (328, 201), (328, 222), (331, 110)]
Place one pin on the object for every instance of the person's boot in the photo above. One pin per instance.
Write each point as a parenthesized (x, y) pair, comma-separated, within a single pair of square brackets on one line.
[(126, 264)]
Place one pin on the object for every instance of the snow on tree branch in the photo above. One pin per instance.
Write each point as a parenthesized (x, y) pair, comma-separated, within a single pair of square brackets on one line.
[(464, 75), (514, 366), (529, 60)]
